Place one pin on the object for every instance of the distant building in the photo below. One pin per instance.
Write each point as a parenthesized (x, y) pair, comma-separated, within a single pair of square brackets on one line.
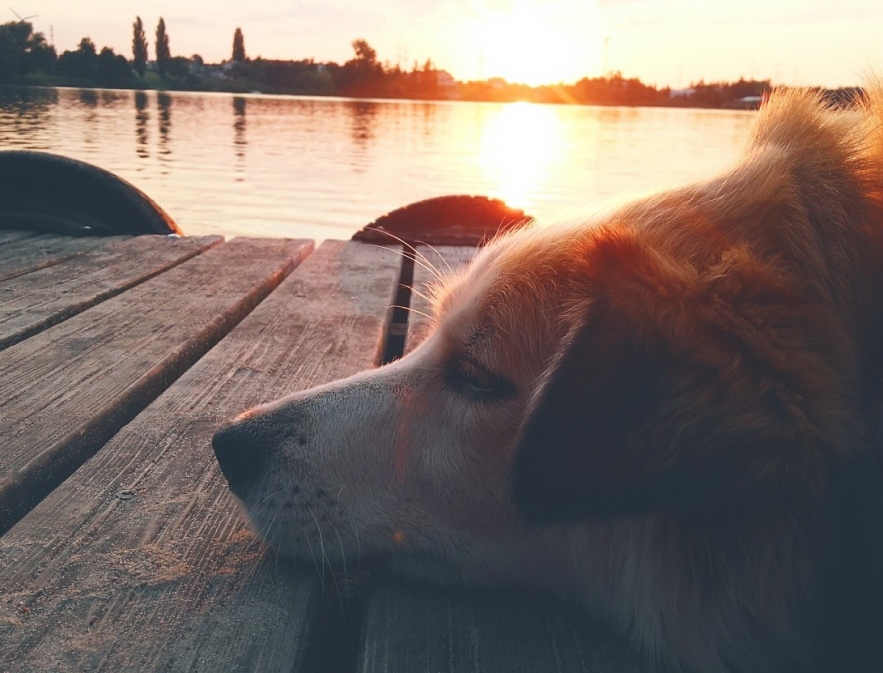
[(447, 85), (754, 101), (747, 103), (681, 93)]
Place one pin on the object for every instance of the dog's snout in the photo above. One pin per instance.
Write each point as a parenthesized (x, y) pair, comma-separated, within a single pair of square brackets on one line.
[(240, 457)]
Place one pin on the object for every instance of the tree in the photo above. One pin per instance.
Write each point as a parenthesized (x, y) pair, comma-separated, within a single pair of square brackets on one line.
[(112, 69), (238, 46), (22, 51), (179, 66), (163, 53), (139, 47), (39, 55), (362, 75), (13, 43), (365, 54), (82, 63)]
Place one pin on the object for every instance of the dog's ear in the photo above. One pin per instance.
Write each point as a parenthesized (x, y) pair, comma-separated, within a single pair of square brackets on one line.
[(582, 450), (653, 401)]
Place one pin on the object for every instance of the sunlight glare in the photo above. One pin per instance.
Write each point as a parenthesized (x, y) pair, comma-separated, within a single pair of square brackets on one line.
[(525, 43), (518, 146)]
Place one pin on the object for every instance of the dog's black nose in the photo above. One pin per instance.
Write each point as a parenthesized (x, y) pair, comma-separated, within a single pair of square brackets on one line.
[(239, 455)]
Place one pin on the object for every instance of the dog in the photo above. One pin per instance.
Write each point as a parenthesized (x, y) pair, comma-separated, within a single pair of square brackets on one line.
[(667, 414)]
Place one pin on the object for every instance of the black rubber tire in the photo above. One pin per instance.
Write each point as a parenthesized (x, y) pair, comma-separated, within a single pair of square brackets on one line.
[(457, 219), (40, 191)]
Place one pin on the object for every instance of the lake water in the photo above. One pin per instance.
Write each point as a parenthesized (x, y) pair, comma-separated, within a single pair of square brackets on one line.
[(323, 167)]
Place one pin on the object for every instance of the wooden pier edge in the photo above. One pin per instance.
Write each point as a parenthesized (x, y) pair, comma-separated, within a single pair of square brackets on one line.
[(67, 390), (141, 559)]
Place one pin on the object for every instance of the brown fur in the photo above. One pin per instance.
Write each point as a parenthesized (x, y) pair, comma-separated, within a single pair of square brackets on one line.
[(668, 415), (718, 374)]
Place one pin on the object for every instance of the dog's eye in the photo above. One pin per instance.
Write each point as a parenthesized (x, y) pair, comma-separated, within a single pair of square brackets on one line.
[(478, 382)]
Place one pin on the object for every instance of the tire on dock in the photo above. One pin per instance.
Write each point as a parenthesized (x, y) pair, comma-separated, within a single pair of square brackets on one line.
[(457, 219), (40, 191)]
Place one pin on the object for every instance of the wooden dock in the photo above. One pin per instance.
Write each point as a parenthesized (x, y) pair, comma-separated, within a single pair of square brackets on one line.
[(121, 546)]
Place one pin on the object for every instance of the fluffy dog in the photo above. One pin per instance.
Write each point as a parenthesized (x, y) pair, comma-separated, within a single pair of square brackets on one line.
[(666, 414)]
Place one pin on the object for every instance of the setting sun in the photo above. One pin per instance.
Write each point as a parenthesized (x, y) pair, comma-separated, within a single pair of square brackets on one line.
[(517, 147), (526, 44)]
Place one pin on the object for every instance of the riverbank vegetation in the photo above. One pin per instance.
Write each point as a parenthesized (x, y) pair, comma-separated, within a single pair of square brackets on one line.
[(27, 58)]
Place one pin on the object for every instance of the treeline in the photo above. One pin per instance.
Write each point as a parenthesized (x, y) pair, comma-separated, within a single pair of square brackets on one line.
[(27, 58), (363, 76)]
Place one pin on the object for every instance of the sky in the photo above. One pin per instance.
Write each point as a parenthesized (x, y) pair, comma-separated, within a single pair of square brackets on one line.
[(662, 42)]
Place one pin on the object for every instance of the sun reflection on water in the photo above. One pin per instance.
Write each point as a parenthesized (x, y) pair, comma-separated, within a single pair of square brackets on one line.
[(322, 167), (518, 147)]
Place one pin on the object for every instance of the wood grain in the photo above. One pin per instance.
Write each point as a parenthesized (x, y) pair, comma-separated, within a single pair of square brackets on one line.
[(431, 266), (34, 301), (24, 254), (140, 560), (415, 627), (67, 390)]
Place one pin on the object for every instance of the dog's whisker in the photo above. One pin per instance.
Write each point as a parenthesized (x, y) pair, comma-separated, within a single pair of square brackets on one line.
[(423, 260), (319, 571), (265, 533), (276, 492), (433, 271), (412, 310), (448, 268), (270, 536), (343, 562), (340, 588), (418, 258), (425, 297), (321, 543), (352, 524), (409, 250)]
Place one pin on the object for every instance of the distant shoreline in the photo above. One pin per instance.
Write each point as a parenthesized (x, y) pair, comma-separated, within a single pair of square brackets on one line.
[(27, 59), (510, 93)]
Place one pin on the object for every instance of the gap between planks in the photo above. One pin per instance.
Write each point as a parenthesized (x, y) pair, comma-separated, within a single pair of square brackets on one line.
[(141, 559), (41, 298), (67, 390)]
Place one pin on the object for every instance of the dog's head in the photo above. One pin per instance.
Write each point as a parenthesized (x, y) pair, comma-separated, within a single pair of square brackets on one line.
[(659, 396), (410, 462), (685, 353), (578, 374)]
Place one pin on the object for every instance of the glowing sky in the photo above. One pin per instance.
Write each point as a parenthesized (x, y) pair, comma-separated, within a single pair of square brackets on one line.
[(664, 42)]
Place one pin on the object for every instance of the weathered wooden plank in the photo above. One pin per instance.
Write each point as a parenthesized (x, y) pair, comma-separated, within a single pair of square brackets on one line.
[(430, 266), (9, 235), (140, 560), (35, 301), (415, 627), (26, 254), (67, 390)]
